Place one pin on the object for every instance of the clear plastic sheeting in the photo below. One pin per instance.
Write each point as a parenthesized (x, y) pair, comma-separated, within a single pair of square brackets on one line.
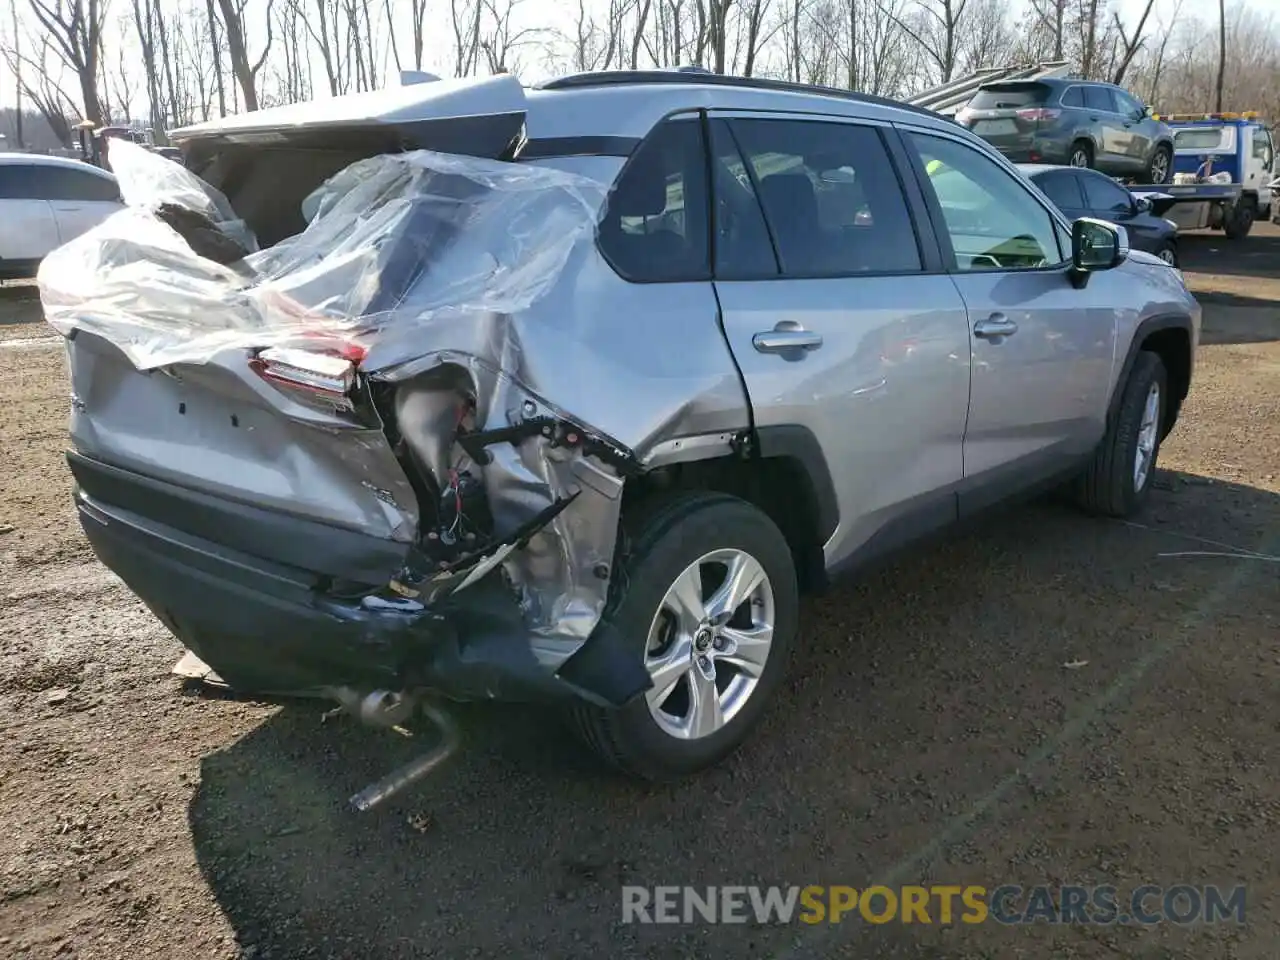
[(430, 262), (149, 180), (395, 243)]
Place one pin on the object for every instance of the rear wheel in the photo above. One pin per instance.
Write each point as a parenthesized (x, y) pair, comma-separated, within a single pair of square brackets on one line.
[(1118, 481), (1240, 222), (708, 596), (1081, 154)]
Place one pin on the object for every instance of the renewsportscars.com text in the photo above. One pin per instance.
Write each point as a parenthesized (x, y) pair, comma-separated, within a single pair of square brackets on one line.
[(940, 904)]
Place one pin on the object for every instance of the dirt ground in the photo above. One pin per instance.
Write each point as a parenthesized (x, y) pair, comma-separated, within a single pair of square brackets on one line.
[(930, 731)]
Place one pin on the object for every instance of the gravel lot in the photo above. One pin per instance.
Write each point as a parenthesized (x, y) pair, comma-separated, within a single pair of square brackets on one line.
[(929, 732)]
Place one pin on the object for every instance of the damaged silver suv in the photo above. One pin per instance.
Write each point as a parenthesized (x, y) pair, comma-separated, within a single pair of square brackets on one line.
[(567, 394)]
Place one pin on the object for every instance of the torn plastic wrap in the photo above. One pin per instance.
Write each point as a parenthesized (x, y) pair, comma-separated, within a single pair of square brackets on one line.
[(426, 261), (151, 181)]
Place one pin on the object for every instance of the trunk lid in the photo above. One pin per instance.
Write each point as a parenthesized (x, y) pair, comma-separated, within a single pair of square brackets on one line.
[(1007, 115)]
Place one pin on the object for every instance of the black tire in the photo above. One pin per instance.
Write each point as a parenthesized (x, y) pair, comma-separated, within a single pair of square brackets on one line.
[(1241, 221), (1107, 486), (1151, 175), (1168, 252), (1081, 149), (661, 541)]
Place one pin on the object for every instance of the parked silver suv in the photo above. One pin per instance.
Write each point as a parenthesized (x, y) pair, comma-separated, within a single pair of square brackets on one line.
[(717, 340)]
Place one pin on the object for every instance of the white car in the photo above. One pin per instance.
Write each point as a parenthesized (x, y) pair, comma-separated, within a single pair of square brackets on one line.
[(46, 201)]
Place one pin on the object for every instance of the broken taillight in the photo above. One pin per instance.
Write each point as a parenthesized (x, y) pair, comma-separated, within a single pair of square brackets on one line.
[(326, 374)]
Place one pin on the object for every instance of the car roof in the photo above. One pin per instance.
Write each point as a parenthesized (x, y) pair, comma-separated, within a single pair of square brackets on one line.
[(620, 103), (44, 160)]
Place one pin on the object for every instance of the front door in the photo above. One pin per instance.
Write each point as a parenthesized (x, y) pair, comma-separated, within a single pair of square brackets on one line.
[(836, 321), (1042, 349), (1112, 133)]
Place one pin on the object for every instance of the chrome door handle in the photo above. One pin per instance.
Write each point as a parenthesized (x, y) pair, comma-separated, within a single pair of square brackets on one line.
[(785, 337), (994, 327)]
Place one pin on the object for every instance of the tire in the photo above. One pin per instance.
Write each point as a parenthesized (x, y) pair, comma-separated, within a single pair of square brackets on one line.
[(659, 548), (1110, 486), (1080, 154), (1153, 172), (1241, 222), (1168, 253)]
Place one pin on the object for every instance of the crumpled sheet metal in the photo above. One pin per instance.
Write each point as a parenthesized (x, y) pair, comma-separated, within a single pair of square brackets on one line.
[(426, 260)]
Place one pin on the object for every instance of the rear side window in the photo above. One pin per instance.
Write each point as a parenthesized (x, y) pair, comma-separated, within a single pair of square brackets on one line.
[(654, 228), (1063, 188), (1001, 96), (831, 197), (1073, 97), (1106, 196), (1099, 98)]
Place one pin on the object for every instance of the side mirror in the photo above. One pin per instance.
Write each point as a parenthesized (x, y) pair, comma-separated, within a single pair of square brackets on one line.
[(1147, 111), (1096, 245), (1142, 204)]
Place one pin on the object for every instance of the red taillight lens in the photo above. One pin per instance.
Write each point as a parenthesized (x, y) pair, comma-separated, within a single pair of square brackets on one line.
[(322, 374), (1038, 113)]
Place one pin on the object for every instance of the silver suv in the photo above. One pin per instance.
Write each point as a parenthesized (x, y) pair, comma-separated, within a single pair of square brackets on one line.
[(765, 340)]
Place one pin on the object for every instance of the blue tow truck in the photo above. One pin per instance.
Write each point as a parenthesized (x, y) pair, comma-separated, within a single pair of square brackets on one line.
[(1223, 169)]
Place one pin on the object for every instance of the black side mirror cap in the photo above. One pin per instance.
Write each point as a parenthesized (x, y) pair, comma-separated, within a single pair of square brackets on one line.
[(1096, 245)]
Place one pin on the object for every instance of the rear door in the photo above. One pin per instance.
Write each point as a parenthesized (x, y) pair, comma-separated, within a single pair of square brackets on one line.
[(1063, 188), (840, 318), (1042, 350), (80, 199), (28, 229)]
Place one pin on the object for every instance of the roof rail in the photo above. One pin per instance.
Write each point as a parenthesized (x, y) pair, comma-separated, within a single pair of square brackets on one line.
[(700, 75)]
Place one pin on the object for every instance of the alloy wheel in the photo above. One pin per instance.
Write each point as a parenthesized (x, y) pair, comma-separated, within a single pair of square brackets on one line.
[(708, 643), (1079, 157), (1148, 433), (1159, 167)]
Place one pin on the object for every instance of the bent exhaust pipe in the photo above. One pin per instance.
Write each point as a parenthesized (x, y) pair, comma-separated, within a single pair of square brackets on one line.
[(413, 771)]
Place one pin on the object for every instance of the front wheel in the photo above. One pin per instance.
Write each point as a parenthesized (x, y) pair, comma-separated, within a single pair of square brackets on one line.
[(1169, 254), (1118, 481), (1160, 168), (707, 594)]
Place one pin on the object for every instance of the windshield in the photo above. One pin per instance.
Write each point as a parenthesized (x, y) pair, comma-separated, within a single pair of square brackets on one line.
[(1009, 95)]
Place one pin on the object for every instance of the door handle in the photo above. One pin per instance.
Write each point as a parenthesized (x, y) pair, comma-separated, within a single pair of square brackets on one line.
[(995, 327), (787, 336)]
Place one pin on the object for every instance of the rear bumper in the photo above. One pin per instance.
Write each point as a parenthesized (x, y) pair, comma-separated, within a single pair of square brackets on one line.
[(263, 625)]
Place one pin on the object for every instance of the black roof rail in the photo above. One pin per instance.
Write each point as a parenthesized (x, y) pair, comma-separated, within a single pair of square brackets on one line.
[(700, 75)]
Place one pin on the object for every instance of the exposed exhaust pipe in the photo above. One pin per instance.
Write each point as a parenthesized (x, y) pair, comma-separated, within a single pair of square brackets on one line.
[(413, 771)]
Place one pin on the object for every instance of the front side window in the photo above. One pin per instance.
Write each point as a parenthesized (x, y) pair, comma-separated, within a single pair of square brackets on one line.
[(831, 197), (1106, 196), (70, 184), (654, 227), (1099, 98), (992, 220), (1262, 145), (1127, 105)]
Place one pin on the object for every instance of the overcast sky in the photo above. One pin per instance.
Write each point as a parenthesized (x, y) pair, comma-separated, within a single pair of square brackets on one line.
[(558, 15)]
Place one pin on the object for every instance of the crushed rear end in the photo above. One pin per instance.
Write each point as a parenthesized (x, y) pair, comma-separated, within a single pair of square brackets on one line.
[(309, 420)]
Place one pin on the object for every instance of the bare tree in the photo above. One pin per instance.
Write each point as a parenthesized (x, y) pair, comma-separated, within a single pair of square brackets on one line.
[(17, 78), (1222, 52), (41, 87), (936, 28), (1050, 17), (1130, 44), (74, 29), (246, 73)]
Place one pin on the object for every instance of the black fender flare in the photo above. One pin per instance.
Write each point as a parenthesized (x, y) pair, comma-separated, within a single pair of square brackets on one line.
[(1168, 321), (798, 442)]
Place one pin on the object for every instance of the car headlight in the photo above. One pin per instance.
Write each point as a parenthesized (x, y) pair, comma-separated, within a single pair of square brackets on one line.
[(1172, 224)]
